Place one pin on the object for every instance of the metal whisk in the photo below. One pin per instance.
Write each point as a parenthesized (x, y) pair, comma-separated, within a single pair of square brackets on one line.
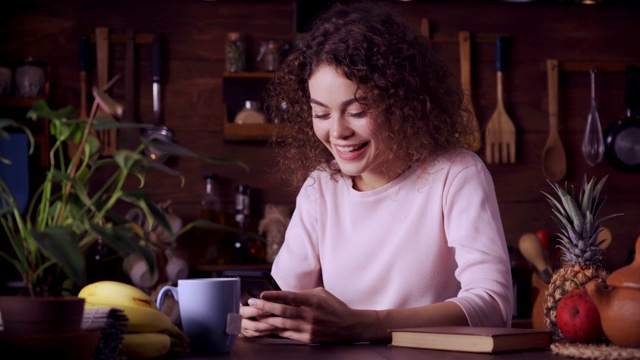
[(593, 142)]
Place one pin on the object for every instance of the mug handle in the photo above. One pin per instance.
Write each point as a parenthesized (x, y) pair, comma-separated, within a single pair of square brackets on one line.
[(162, 293)]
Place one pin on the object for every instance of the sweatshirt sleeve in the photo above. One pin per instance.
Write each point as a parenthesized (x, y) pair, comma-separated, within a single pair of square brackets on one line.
[(474, 229)]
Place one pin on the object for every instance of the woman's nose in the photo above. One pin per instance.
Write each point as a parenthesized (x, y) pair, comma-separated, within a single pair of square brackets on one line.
[(340, 127)]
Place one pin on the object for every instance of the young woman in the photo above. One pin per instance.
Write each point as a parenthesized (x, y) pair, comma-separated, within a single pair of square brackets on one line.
[(396, 224)]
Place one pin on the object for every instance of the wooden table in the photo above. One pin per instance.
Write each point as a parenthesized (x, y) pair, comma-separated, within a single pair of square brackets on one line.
[(280, 349)]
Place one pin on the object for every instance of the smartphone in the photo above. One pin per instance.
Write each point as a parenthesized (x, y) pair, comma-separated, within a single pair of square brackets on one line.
[(252, 282)]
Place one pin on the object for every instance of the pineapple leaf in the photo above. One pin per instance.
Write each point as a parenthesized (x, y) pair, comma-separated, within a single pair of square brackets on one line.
[(586, 195), (575, 212)]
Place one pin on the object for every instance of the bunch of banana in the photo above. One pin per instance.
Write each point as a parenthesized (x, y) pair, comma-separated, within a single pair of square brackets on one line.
[(151, 333)]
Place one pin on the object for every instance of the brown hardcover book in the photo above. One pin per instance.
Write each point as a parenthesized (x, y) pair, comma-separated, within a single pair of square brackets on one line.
[(471, 339)]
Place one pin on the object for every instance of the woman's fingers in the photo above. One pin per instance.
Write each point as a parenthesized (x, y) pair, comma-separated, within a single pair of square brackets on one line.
[(256, 328), (294, 298), (248, 312)]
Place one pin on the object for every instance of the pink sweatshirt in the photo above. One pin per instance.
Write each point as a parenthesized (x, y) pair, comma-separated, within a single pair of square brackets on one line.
[(433, 234)]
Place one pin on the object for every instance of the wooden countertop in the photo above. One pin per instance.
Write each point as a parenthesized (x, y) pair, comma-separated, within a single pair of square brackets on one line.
[(282, 349)]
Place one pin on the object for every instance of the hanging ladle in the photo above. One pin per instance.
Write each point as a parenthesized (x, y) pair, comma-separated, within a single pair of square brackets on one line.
[(593, 142)]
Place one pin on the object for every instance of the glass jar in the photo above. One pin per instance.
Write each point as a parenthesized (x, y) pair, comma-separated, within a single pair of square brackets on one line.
[(211, 210), (235, 52), (250, 114), (271, 53), (30, 78)]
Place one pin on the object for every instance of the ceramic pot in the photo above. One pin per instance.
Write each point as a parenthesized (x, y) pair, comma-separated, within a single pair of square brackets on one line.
[(618, 302), (34, 315)]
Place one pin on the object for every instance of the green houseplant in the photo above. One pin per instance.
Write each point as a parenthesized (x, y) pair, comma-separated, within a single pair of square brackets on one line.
[(65, 217)]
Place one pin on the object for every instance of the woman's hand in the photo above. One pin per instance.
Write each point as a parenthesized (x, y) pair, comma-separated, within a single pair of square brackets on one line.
[(251, 324), (312, 316)]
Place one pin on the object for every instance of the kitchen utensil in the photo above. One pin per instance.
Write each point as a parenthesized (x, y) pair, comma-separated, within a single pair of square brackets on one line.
[(622, 139), (129, 137), (604, 238), (464, 40), (83, 60), (554, 160), (593, 142), (159, 132), (83, 50), (108, 138), (500, 134), (424, 28), (531, 248)]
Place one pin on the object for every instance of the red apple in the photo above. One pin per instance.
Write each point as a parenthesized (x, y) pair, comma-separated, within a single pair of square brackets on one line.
[(543, 235), (578, 318)]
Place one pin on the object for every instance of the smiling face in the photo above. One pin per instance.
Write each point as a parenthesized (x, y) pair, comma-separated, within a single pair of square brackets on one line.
[(340, 122)]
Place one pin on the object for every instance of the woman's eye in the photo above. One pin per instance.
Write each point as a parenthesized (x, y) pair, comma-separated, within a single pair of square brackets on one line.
[(321, 116), (360, 114)]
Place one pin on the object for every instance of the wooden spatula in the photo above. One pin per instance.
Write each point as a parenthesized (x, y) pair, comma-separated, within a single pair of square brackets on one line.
[(500, 134)]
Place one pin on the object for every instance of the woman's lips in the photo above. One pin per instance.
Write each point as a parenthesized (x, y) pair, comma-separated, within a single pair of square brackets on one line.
[(350, 152)]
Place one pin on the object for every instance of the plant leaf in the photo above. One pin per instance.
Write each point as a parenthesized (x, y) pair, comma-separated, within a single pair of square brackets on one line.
[(61, 245), (125, 241)]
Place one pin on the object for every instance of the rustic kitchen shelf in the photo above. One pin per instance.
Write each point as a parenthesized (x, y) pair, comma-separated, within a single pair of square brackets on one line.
[(237, 88), (248, 75), (244, 132), (21, 104), (585, 66), (19, 101)]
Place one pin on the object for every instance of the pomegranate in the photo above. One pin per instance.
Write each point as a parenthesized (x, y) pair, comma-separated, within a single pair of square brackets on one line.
[(578, 318)]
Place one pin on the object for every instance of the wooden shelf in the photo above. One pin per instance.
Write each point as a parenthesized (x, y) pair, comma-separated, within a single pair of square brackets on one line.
[(19, 101), (238, 87), (248, 132), (248, 75), (585, 66)]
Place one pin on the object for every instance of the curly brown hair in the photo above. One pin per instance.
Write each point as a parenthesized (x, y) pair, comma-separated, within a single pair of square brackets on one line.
[(407, 84)]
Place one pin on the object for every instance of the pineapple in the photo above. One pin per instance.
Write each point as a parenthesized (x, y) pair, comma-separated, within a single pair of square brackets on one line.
[(582, 258)]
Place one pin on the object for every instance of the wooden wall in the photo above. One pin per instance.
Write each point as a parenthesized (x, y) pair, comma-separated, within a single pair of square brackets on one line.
[(195, 32)]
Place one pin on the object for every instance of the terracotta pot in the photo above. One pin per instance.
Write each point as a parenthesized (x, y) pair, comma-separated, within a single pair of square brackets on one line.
[(619, 303), (33, 315)]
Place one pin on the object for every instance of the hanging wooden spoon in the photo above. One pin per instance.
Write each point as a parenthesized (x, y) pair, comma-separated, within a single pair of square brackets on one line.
[(554, 160), (464, 41)]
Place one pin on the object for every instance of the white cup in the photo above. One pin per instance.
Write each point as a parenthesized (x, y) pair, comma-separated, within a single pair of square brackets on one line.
[(138, 272), (209, 312), (176, 268)]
